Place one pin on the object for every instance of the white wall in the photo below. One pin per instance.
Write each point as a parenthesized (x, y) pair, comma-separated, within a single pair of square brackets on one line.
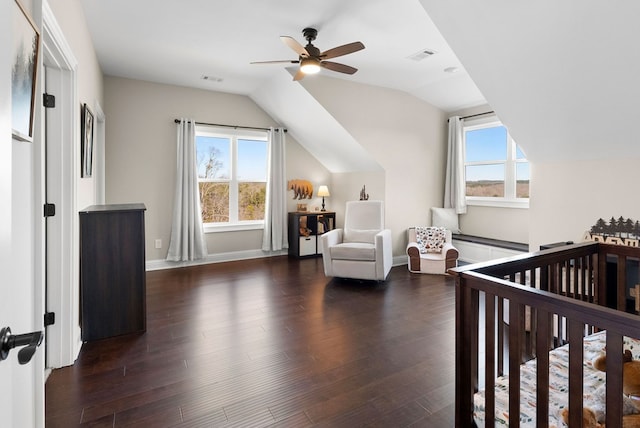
[(141, 153), (508, 224), (405, 135), (569, 197)]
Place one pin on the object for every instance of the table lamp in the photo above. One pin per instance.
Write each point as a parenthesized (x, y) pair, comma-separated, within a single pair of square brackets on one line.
[(323, 191)]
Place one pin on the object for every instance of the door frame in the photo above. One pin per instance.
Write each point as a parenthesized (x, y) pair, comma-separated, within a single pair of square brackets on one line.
[(63, 133)]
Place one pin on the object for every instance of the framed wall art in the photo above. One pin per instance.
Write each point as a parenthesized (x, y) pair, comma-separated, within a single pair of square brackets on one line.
[(86, 149), (24, 68)]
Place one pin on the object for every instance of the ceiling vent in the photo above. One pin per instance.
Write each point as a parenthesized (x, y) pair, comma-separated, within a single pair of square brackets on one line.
[(212, 78), (422, 54)]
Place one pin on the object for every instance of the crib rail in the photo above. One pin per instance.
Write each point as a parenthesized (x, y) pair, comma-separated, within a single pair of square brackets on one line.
[(522, 307)]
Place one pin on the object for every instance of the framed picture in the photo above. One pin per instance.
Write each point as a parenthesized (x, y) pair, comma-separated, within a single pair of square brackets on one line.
[(86, 149), (24, 67)]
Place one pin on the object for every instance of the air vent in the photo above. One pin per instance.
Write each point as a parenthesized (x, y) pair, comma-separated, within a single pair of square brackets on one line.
[(422, 54), (212, 78)]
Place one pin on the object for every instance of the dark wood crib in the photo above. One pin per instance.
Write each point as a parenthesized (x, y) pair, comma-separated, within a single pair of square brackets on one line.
[(518, 308)]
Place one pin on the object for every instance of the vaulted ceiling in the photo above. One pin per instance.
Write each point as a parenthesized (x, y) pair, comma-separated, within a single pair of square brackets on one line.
[(179, 42), (563, 76)]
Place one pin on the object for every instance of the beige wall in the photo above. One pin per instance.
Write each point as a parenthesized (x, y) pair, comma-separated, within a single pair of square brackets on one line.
[(302, 165), (568, 197), (405, 135), (347, 186), (141, 146)]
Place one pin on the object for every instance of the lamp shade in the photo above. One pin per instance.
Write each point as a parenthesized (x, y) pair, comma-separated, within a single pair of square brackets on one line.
[(323, 191), (309, 65)]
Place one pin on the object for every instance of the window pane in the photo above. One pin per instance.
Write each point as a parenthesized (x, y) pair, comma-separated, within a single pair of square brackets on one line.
[(251, 200), (485, 180), (519, 153), (522, 180), (252, 160), (213, 155), (486, 144), (214, 201)]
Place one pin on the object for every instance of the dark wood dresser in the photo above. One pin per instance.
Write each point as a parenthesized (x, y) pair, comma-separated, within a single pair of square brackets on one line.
[(112, 270)]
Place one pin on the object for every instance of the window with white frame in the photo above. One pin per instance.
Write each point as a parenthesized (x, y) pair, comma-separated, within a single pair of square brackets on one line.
[(232, 177), (496, 169)]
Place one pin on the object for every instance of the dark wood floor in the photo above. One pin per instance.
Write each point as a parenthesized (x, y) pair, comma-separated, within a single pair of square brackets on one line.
[(270, 343)]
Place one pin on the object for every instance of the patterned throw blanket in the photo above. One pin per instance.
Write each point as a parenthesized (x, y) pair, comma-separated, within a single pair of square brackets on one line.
[(430, 239), (593, 381)]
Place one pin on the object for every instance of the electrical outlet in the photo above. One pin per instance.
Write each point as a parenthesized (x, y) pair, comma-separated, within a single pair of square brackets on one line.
[(158, 243)]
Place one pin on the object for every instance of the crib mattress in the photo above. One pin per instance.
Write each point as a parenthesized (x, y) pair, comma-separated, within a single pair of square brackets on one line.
[(594, 345)]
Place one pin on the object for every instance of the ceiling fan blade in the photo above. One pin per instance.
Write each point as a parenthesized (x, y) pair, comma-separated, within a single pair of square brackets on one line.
[(293, 44), (342, 50), (299, 75), (283, 61), (340, 68)]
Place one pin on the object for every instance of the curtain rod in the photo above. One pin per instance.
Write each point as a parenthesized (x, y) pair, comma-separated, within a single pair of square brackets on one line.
[(474, 115), (230, 126)]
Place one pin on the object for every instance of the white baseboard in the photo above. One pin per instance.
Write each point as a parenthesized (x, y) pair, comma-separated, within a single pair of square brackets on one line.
[(213, 258), (234, 256)]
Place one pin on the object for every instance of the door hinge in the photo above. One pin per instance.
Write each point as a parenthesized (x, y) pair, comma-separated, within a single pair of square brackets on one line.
[(49, 210), (49, 101), (49, 318)]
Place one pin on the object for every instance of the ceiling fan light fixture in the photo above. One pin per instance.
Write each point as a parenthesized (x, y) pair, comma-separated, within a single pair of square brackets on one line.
[(310, 66)]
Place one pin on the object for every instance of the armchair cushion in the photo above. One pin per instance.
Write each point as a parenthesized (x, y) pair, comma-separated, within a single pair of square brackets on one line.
[(430, 239), (361, 235), (353, 251)]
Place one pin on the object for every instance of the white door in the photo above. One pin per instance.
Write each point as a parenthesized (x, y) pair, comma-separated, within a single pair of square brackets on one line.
[(21, 386), (7, 313)]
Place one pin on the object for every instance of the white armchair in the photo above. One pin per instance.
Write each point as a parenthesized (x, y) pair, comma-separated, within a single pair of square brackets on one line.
[(431, 262), (361, 250)]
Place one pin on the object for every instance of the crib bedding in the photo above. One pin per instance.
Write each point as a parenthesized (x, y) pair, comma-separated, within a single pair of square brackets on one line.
[(594, 345)]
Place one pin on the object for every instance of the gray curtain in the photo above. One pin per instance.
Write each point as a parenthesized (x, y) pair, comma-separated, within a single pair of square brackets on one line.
[(275, 237), (187, 234), (455, 184)]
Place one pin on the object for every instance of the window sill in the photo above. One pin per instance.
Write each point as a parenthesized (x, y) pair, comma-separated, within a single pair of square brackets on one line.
[(498, 202), (211, 228)]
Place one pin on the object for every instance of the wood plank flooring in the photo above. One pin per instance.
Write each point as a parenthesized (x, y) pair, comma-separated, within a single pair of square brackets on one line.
[(270, 343)]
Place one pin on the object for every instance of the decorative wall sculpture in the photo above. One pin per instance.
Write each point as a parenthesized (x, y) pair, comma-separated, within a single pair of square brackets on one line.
[(302, 189), (621, 231)]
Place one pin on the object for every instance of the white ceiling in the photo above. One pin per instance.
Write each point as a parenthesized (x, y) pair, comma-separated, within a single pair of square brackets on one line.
[(562, 75), (177, 42)]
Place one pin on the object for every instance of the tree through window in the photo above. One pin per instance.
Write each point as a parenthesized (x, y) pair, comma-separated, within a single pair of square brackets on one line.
[(232, 175)]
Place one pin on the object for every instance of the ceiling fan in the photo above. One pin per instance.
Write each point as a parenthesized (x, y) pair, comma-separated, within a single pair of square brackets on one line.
[(311, 59)]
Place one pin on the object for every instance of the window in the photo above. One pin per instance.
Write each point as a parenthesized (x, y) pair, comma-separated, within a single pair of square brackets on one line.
[(496, 169), (232, 177)]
